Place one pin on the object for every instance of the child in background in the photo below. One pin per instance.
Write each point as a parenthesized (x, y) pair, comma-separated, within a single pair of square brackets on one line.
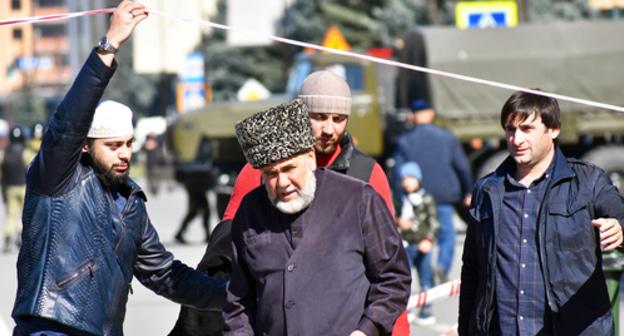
[(418, 224)]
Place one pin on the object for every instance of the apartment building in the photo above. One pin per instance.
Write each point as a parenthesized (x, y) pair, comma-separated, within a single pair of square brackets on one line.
[(36, 55)]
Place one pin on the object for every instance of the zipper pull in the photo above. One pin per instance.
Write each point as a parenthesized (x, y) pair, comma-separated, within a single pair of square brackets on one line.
[(130, 287)]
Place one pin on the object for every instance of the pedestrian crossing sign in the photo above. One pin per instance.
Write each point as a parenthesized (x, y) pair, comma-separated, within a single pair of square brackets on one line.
[(486, 14)]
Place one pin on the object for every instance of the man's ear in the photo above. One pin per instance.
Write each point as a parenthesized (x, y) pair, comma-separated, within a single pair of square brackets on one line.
[(85, 148), (554, 132)]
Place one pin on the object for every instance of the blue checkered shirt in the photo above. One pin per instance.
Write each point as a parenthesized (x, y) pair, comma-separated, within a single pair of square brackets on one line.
[(520, 292)]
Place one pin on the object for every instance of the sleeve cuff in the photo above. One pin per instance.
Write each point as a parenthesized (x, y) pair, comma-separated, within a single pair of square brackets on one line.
[(368, 327), (95, 61)]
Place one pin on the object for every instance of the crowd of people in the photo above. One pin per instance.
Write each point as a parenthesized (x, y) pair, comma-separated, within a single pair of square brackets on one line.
[(314, 241)]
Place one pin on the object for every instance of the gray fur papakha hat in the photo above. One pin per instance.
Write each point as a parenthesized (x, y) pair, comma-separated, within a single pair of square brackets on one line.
[(278, 133)]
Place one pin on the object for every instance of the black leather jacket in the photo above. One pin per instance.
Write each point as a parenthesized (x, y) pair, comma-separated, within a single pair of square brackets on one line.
[(79, 255), (568, 246)]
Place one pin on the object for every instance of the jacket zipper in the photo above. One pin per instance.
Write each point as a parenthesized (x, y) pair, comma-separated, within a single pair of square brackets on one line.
[(88, 267), (120, 215)]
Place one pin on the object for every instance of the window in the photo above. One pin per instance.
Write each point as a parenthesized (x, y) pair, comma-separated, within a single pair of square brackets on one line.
[(16, 4), (52, 30), (17, 33), (51, 3)]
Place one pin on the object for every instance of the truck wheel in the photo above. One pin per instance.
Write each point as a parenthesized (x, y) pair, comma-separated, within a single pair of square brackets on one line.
[(611, 159), (491, 163)]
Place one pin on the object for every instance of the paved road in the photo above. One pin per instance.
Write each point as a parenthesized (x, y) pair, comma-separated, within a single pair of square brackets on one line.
[(149, 314)]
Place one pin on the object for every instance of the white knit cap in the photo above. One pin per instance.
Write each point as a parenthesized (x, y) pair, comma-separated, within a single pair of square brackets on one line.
[(111, 120)]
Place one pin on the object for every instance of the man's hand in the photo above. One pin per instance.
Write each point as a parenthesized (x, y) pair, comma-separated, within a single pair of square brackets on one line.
[(610, 233), (357, 333), (425, 245), (127, 15), (404, 224)]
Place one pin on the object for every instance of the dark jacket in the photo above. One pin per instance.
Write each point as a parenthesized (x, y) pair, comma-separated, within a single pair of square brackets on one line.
[(335, 267), (78, 255), (446, 170), (352, 161), (13, 169), (568, 244), (217, 260)]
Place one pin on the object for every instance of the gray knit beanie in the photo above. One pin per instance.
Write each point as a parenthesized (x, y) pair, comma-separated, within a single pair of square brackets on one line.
[(325, 92), (278, 133)]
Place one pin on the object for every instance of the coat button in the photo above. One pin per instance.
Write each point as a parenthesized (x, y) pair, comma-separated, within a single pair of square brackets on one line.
[(290, 267), (290, 304)]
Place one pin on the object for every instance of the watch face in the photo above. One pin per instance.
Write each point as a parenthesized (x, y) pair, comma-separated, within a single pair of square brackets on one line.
[(104, 45)]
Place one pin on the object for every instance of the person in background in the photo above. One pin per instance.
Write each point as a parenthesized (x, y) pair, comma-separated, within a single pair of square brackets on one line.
[(418, 225), (532, 262), (446, 174), (197, 204), (14, 187), (153, 158)]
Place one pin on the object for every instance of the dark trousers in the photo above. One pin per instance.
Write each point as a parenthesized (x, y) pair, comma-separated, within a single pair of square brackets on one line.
[(198, 202)]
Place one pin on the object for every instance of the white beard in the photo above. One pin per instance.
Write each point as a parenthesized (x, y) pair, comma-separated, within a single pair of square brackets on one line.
[(305, 196)]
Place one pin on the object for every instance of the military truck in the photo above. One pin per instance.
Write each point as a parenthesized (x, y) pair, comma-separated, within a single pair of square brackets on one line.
[(581, 59)]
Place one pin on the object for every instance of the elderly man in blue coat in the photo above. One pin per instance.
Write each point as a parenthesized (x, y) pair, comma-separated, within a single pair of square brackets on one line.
[(316, 252)]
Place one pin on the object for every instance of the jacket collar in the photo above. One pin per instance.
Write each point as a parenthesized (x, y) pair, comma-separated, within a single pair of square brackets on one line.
[(136, 189), (342, 162)]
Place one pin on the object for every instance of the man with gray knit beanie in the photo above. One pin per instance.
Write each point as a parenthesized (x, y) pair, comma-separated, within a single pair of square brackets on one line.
[(315, 252), (328, 99)]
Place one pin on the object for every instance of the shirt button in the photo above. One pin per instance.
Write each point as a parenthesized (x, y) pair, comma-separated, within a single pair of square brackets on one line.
[(521, 317), (521, 292), (528, 191), (524, 241), (526, 215), (290, 268), (290, 304), (523, 265)]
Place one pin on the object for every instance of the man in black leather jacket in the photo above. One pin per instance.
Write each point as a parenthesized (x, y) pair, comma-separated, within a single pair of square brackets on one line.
[(86, 230)]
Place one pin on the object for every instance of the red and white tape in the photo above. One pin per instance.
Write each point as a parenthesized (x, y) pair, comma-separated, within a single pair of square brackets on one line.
[(53, 17), (438, 293), (37, 19)]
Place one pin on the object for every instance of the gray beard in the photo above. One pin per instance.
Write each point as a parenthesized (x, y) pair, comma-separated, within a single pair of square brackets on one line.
[(306, 196)]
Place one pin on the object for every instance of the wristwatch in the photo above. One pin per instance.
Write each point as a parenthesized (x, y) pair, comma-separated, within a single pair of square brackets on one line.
[(105, 47)]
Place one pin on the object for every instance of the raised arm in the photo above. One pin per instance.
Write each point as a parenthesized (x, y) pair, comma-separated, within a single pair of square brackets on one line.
[(59, 155)]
